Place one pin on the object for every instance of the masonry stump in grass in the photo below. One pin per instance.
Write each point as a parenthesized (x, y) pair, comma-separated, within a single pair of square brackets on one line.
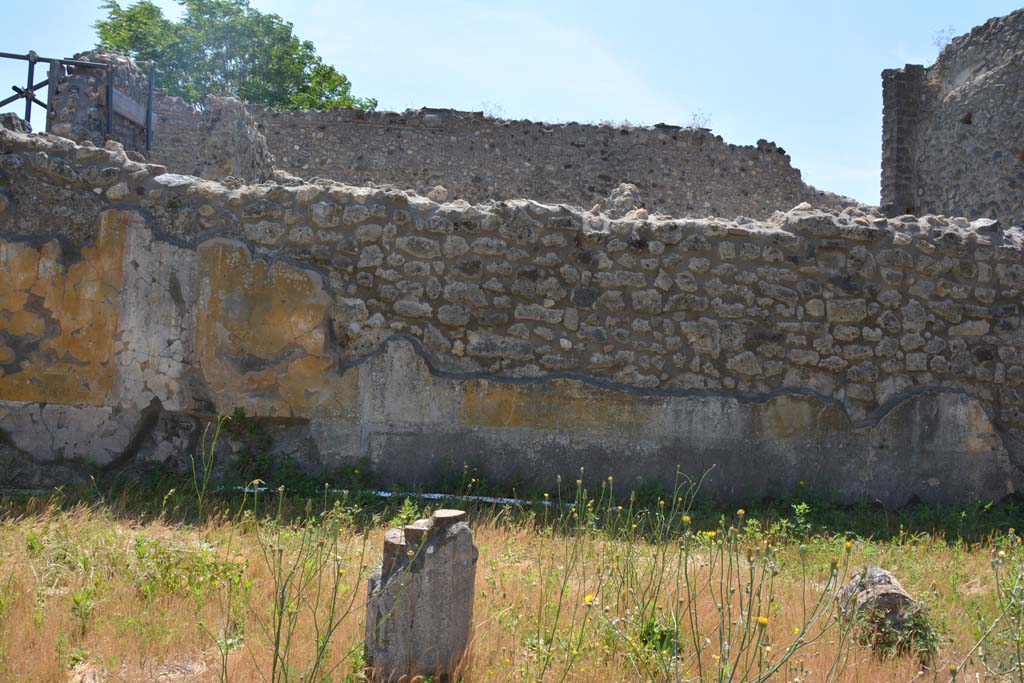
[(889, 619), (420, 601)]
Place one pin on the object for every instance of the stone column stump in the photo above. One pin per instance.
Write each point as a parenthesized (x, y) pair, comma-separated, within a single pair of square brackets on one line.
[(889, 619), (420, 602)]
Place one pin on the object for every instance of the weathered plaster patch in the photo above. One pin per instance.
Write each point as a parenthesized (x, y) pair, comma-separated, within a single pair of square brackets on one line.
[(261, 335), (57, 322), (56, 433), (412, 420), (157, 320)]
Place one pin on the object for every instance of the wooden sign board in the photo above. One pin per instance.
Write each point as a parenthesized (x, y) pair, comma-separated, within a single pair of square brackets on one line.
[(127, 108)]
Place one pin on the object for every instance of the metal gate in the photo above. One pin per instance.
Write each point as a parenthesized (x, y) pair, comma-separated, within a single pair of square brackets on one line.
[(114, 101)]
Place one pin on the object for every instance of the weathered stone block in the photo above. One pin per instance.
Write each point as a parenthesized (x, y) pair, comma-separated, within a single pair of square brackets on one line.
[(970, 328), (914, 316), (465, 293), (413, 309), (489, 246), (420, 602), (354, 215), (613, 301), (885, 609), (453, 315), (324, 214), (847, 310), (419, 247), (647, 301), (11, 121), (538, 313), (500, 347), (745, 363)]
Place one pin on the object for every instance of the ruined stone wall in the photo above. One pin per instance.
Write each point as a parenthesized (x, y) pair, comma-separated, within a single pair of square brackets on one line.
[(679, 171), (953, 134), (216, 142), (77, 108), (864, 357)]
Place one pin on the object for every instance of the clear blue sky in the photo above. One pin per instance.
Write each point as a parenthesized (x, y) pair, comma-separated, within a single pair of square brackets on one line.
[(805, 75)]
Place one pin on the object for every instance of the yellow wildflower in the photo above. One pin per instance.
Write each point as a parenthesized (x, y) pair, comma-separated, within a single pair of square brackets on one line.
[(762, 620), (588, 599)]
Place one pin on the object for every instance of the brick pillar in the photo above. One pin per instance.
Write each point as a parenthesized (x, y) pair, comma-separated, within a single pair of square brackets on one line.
[(901, 103)]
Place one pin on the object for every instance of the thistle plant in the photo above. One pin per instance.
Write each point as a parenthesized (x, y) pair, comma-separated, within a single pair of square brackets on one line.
[(203, 471), (315, 580), (675, 603)]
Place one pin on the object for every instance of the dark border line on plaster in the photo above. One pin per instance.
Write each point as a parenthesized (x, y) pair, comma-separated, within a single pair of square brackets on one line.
[(429, 359), (256, 252), (873, 418)]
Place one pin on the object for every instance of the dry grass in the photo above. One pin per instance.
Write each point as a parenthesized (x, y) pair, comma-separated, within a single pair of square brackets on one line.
[(94, 593)]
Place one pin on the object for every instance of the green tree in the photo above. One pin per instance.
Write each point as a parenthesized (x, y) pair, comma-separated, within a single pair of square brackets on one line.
[(224, 47)]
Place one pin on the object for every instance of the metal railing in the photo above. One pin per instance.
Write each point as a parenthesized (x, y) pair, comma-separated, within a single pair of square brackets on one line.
[(57, 71)]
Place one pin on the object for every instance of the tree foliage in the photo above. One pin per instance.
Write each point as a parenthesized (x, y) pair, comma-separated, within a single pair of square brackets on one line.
[(224, 47)]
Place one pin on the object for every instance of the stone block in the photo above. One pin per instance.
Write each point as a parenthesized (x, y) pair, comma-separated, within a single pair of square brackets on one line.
[(884, 611), (11, 121), (420, 602), (847, 311)]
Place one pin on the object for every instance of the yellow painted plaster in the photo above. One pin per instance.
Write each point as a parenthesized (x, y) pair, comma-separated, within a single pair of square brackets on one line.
[(558, 404), (792, 418), (261, 337), (66, 317), (981, 435)]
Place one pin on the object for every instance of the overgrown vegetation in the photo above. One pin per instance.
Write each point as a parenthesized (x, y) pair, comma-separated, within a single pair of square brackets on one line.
[(581, 584)]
